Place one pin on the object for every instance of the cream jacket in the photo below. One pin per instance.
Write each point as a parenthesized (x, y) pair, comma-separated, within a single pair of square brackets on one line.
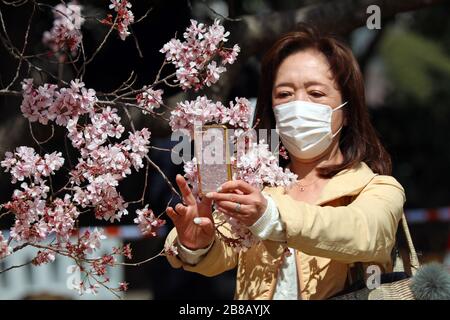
[(354, 220)]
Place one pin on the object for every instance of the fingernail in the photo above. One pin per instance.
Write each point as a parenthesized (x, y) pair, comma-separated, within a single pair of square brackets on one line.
[(219, 189), (209, 195), (197, 220)]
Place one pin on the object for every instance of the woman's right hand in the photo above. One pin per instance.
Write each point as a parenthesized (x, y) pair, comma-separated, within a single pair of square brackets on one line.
[(192, 235)]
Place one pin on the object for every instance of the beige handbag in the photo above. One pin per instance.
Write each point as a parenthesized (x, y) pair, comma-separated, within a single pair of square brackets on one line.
[(397, 290)]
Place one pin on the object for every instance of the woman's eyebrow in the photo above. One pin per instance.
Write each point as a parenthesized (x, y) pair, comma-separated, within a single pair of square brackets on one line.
[(284, 84), (307, 84), (315, 83)]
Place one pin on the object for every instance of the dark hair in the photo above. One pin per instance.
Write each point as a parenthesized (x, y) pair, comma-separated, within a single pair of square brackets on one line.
[(358, 141)]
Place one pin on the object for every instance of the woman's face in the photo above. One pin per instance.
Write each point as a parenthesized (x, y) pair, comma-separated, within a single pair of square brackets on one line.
[(306, 76)]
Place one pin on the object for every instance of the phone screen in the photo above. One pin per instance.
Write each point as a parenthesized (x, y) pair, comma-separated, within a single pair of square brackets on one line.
[(213, 159)]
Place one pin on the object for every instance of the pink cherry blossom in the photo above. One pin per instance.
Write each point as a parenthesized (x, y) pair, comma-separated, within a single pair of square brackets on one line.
[(25, 163), (125, 17), (239, 113), (36, 218), (171, 250), (123, 286), (91, 241), (194, 57), (149, 99), (148, 223), (137, 145), (229, 55), (93, 288), (23, 230), (191, 174), (284, 153), (102, 195), (43, 257), (5, 250), (73, 101), (100, 265), (254, 164), (36, 102), (202, 111), (103, 168), (258, 166), (105, 157), (103, 124), (50, 163), (65, 33), (242, 239), (47, 103), (125, 251), (61, 217), (213, 73)]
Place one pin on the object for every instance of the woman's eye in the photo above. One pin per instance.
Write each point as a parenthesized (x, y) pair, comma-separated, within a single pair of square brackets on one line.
[(282, 95), (316, 94)]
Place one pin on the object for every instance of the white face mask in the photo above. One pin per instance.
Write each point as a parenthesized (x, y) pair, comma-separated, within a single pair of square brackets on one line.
[(305, 127)]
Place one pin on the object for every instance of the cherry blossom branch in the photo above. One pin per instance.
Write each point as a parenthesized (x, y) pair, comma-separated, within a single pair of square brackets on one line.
[(61, 189), (79, 261), (161, 253), (144, 16), (146, 166), (103, 285), (92, 124), (40, 4), (168, 203), (82, 71), (154, 84), (16, 266), (14, 52), (133, 128), (16, 3), (5, 92), (161, 149), (136, 42), (127, 84), (5, 214), (72, 61), (155, 166), (214, 11), (141, 200), (124, 104), (66, 148), (35, 139), (20, 247), (102, 43), (25, 43), (158, 75)]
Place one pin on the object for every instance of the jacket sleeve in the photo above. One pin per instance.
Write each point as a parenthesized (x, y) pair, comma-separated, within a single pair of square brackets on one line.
[(220, 258), (362, 231)]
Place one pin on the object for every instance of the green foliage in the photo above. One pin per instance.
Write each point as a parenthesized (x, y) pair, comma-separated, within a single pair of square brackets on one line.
[(413, 62)]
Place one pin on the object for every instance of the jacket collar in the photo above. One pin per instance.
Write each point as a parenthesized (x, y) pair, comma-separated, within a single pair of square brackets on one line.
[(347, 182)]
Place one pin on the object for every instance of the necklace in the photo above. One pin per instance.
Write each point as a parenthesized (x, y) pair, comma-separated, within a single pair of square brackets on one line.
[(302, 187)]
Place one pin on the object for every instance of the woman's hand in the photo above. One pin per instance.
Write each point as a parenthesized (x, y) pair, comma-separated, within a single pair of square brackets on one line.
[(252, 203), (193, 221)]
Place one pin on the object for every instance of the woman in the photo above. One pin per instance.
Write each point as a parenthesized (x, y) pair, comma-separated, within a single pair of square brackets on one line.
[(345, 208)]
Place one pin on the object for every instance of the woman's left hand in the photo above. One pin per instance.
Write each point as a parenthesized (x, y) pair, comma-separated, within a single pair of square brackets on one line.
[(240, 200)]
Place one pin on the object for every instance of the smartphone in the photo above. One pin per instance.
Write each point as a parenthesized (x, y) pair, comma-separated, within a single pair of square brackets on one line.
[(213, 157)]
